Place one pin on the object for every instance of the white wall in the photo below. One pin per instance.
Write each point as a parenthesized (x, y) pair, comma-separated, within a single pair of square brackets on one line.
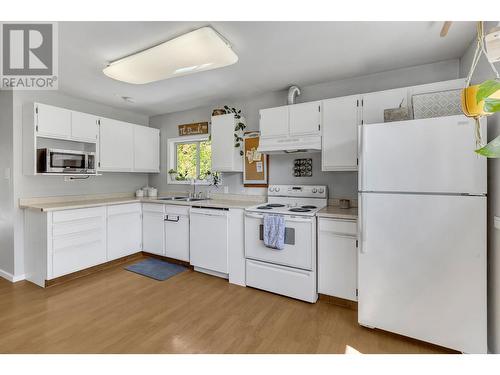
[(484, 72), (39, 186), (340, 184), (6, 184)]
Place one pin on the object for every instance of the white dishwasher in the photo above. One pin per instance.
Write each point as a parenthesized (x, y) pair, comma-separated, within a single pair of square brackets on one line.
[(209, 239)]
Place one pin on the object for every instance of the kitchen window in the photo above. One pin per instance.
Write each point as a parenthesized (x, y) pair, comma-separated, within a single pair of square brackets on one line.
[(189, 158)]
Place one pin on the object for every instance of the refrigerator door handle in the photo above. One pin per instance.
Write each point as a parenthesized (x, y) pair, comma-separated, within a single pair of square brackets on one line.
[(360, 224), (360, 158)]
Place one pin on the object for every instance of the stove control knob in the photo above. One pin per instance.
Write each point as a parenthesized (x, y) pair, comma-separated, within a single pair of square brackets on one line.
[(277, 189), (314, 190), (321, 190), (271, 189)]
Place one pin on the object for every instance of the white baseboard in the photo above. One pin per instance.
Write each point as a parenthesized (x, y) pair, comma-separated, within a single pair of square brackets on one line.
[(10, 277)]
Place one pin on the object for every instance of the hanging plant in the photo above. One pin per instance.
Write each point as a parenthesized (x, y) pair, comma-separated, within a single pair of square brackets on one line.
[(214, 178), (239, 127), (489, 94), (482, 100)]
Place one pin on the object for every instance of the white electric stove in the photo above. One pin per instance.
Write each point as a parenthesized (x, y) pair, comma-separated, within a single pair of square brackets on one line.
[(299, 200), (291, 271)]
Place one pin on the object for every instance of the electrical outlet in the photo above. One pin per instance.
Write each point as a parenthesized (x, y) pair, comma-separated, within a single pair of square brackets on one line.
[(496, 220)]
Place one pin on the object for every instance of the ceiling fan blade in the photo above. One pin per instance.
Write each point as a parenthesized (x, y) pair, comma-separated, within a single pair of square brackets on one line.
[(445, 29)]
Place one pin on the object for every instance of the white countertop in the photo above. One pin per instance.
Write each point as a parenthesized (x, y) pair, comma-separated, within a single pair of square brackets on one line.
[(69, 205), (335, 212)]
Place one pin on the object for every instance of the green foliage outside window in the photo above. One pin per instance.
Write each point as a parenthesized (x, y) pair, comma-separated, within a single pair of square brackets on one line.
[(193, 161), (205, 159)]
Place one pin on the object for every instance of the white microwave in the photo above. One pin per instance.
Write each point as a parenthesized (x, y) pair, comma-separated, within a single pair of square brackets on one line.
[(51, 160)]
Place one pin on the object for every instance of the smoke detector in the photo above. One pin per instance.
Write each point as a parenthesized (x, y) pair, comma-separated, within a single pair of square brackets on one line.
[(126, 99)]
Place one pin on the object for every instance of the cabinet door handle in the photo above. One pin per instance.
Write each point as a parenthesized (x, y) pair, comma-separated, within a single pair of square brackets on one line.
[(175, 220)]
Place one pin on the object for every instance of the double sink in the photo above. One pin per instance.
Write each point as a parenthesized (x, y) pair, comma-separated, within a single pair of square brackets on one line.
[(184, 199)]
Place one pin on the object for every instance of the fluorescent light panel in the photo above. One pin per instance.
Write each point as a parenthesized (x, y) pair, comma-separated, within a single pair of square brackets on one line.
[(196, 51)]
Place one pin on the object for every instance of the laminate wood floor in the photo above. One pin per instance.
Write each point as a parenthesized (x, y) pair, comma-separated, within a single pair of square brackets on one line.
[(116, 311)]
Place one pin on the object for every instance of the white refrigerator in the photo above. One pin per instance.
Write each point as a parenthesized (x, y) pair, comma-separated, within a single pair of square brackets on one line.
[(422, 231)]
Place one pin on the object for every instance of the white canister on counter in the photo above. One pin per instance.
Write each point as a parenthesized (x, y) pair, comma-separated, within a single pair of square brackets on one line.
[(139, 193), (152, 192)]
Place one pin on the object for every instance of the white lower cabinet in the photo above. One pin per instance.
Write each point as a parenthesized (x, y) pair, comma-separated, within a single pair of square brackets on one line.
[(124, 230), (78, 240), (62, 242), (337, 258), (153, 231), (177, 232)]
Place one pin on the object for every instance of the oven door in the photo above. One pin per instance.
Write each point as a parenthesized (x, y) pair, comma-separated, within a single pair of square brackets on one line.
[(300, 241), (66, 161)]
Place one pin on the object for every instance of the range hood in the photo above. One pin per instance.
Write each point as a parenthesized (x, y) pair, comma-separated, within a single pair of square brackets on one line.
[(289, 145)]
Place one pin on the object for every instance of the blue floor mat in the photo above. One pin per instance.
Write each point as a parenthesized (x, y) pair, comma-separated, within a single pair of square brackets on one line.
[(156, 269)]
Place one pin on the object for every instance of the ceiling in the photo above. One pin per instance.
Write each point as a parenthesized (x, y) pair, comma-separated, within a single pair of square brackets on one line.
[(272, 56)]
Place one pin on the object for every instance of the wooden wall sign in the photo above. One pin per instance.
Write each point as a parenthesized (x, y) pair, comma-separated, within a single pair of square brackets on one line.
[(193, 129)]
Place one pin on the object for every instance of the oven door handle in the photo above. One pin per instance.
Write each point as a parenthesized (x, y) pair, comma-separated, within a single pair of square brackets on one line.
[(298, 219), (287, 218)]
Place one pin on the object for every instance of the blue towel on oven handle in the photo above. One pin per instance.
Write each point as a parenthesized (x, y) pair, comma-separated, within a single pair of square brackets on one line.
[(274, 231)]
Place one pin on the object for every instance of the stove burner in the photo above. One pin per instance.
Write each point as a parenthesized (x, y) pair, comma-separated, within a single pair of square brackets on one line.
[(264, 208), (299, 209), (275, 205), (309, 207)]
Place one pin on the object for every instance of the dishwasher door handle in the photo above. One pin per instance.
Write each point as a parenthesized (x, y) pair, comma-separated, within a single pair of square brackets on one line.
[(206, 213)]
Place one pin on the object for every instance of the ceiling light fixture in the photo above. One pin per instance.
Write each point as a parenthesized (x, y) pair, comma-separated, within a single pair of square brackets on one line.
[(196, 51)]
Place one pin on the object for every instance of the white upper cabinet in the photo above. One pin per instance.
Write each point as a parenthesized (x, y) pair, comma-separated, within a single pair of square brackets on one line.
[(291, 120), (146, 149), (225, 157), (274, 122), (116, 147), (305, 118), (52, 122), (373, 104), (84, 127), (339, 150)]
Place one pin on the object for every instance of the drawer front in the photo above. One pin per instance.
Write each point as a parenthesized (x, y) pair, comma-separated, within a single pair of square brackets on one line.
[(343, 227), (124, 208), (74, 253), (176, 210), (78, 226), (153, 207), (289, 282), (78, 214)]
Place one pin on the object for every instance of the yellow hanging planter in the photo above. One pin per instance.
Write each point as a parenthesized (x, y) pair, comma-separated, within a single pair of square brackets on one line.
[(470, 106)]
